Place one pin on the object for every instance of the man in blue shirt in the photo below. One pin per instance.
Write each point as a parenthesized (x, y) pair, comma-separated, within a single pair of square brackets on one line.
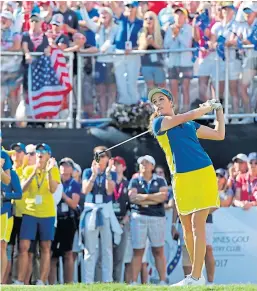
[(147, 193), (98, 183), (127, 68)]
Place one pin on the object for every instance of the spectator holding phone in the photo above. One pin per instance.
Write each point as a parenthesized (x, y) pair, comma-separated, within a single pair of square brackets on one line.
[(127, 66), (41, 182), (147, 193), (226, 194), (246, 188)]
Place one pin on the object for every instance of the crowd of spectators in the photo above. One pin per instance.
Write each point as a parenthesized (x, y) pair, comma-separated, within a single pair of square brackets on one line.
[(52, 209), (115, 30)]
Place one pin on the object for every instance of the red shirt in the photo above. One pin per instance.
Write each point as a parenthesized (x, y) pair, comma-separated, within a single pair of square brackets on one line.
[(247, 185), (156, 6)]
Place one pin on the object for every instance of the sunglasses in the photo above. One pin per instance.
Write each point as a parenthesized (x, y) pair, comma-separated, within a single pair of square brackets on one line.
[(19, 151), (31, 154), (148, 18), (130, 6), (41, 152), (34, 20), (219, 176)]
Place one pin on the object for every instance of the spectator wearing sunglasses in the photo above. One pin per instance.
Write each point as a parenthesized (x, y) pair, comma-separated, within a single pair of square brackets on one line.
[(41, 182), (151, 38), (225, 192), (246, 188), (98, 183)]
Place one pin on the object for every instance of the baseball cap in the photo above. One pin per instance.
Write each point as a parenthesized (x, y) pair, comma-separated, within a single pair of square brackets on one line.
[(30, 148), (67, 161), (57, 19), (227, 4), (221, 172), (252, 156), (241, 157), (77, 168), (45, 146), (249, 7), (7, 14), (148, 158), (120, 160), (182, 9), (107, 9), (20, 145), (159, 90), (132, 3)]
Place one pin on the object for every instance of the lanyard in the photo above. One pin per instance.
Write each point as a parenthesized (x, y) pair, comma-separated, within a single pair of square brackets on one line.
[(147, 189), (39, 184), (69, 186), (99, 182), (118, 193), (129, 30)]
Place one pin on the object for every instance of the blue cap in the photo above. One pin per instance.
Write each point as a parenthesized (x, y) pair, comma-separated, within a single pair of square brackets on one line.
[(45, 146), (159, 90), (20, 145), (222, 173), (132, 3)]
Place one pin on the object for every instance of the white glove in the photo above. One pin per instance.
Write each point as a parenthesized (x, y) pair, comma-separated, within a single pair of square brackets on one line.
[(215, 104)]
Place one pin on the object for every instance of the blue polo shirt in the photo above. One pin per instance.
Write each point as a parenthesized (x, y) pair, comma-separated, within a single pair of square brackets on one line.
[(181, 146), (99, 185), (12, 191), (127, 32), (69, 187), (148, 188)]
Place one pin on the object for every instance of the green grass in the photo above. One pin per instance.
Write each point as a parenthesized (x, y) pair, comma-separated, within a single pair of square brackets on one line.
[(121, 287)]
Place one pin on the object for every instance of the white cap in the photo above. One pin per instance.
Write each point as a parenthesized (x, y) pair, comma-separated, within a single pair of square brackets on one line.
[(252, 156), (148, 158), (77, 168), (241, 157), (57, 19), (107, 9), (30, 148), (250, 5), (7, 14)]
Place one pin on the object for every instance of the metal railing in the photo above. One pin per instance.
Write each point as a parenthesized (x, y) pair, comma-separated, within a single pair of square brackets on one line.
[(68, 120)]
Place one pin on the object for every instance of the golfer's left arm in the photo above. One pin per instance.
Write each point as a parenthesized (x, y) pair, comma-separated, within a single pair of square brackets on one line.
[(217, 133)]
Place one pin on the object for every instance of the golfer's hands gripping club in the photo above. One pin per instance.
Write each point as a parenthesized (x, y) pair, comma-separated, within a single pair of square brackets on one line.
[(97, 156), (213, 103)]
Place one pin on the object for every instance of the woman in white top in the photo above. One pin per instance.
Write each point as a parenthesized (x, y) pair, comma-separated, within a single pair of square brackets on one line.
[(105, 32)]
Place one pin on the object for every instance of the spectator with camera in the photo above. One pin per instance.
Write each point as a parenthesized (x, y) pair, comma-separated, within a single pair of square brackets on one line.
[(67, 211), (98, 217), (147, 193), (41, 182)]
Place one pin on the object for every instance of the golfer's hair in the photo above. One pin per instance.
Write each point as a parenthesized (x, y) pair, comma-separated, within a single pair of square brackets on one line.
[(152, 117), (102, 148)]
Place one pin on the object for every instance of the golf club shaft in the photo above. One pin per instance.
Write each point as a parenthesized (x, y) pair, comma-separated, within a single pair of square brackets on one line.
[(125, 141)]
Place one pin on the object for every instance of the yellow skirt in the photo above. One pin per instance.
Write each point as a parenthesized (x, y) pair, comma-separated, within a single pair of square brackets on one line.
[(6, 227), (196, 190)]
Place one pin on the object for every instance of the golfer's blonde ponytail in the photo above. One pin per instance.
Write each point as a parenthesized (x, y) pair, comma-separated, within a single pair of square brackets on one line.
[(152, 117)]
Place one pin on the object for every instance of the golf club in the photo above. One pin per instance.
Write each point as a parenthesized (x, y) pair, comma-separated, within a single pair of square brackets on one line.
[(98, 155)]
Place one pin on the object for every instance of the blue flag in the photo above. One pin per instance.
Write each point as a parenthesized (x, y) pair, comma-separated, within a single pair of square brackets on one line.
[(195, 53), (221, 47), (203, 20), (253, 37)]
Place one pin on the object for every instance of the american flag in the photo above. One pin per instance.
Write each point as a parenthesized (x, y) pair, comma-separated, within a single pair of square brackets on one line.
[(48, 82)]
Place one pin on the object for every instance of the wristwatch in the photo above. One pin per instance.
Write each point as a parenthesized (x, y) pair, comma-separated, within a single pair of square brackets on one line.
[(108, 176)]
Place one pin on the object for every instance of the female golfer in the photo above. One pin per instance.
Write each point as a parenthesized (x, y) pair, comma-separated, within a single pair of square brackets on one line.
[(194, 179)]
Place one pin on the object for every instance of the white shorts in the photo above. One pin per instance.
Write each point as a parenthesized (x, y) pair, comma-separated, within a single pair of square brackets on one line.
[(129, 251)]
